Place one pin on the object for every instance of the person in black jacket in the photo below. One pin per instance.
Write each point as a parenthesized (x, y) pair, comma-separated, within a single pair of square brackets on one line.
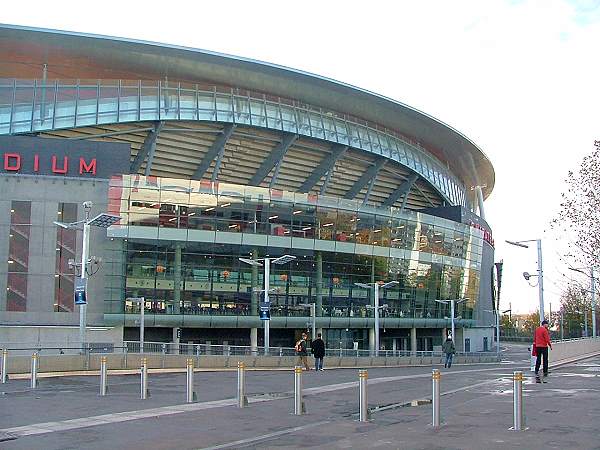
[(318, 351)]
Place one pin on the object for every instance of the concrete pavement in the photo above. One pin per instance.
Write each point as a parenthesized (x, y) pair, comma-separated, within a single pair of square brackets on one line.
[(477, 409)]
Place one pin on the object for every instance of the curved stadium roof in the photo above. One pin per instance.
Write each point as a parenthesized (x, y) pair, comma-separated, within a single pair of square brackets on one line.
[(72, 56)]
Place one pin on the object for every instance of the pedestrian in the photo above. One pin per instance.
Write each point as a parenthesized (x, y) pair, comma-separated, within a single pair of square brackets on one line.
[(318, 351), (302, 352), (541, 341), (449, 349)]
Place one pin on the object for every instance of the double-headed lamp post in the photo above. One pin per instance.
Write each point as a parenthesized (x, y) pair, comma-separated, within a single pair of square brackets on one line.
[(102, 221), (453, 303), (267, 264), (540, 271), (376, 286), (593, 282)]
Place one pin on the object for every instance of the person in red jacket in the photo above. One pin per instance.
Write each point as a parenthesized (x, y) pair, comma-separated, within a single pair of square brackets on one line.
[(541, 341)]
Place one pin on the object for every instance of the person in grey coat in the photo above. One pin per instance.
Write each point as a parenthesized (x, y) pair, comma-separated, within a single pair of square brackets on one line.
[(449, 349)]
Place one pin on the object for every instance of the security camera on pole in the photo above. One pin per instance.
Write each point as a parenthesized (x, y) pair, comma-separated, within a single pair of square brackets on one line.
[(453, 303), (540, 271), (376, 286), (102, 221)]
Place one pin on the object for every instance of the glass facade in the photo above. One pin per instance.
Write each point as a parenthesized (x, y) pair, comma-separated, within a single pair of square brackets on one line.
[(182, 240), (18, 256), (28, 106)]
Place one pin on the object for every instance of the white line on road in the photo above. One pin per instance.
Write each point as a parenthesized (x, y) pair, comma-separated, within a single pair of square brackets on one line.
[(265, 437)]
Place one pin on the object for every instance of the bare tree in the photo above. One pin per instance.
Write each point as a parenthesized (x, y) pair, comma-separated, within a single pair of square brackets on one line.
[(579, 216)]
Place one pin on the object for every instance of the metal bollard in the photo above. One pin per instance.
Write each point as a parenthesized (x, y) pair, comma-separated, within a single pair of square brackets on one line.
[(103, 376), (241, 385), (34, 370), (518, 416), (363, 401), (144, 379), (435, 397), (190, 394), (299, 408), (4, 366)]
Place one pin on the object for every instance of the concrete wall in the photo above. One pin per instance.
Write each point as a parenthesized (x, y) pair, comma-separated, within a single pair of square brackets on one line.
[(566, 351), (64, 337), (45, 193)]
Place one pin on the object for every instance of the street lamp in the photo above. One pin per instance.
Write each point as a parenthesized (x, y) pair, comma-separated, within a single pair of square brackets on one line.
[(313, 317), (540, 273), (593, 280), (142, 303), (102, 221), (267, 305), (376, 286), (453, 302)]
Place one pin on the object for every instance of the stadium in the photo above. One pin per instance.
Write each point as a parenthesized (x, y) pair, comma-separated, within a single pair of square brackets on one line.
[(208, 158)]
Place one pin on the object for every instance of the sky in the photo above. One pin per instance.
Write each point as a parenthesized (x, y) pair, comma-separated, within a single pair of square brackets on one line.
[(516, 77)]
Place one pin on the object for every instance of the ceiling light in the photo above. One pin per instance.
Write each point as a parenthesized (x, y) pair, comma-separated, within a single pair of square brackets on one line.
[(210, 209), (225, 205), (273, 217), (376, 231), (233, 226), (330, 224), (191, 214), (297, 212), (306, 228)]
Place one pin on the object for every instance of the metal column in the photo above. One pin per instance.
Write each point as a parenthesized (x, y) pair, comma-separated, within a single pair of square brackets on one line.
[(363, 402), (34, 370), (144, 379), (103, 376), (298, 403), (241, 385), (435, 397), (518, 417), (4, 366), (190, 395)]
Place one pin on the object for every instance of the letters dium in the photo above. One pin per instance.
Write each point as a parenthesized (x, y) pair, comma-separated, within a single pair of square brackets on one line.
[(58, 165)]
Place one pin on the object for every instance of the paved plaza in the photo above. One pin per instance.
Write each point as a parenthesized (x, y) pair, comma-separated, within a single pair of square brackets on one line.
[(476, 405)]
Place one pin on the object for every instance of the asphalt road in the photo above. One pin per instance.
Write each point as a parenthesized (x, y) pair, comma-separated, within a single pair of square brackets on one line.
[(67, 413)]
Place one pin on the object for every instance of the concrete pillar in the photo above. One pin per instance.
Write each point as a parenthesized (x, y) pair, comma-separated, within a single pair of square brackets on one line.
[(394, 345), (253, 339), (176, 340), (372, 339), (177, 279), (444, 334), (319, 284), (254, 300), (413, 340)]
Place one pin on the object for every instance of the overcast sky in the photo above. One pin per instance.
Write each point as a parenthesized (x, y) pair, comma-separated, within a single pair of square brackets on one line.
[(517, 77)]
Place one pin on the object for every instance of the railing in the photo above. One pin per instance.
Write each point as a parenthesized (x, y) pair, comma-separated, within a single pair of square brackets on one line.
[(31, 106), (170, 348)]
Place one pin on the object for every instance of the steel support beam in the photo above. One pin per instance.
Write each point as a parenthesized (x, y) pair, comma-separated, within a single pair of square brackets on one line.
[(275, 157), (403, 189), (215, 150), (325, 167), (147, 150), (369, 175)]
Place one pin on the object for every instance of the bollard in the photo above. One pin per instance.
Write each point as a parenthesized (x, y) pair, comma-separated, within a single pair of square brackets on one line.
[(144, 379), (241, 386), (103, 376), (363, 402), (4, 366), (299, 408), (518, 416), (435, 397), (190, 394), (34, 370)]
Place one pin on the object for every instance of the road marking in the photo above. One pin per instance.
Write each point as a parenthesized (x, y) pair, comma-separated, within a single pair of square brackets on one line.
[(71, 424), (265, 437)]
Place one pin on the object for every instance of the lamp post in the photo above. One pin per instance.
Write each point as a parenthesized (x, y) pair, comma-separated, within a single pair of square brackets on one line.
[(593, 282), (313, 317), (102, 221), (453, 302), (540, 271), (376, 286), (267, 304)]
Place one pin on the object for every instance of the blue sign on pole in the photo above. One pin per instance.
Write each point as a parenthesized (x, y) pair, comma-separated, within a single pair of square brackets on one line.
[(264, 312), (80, 291)]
